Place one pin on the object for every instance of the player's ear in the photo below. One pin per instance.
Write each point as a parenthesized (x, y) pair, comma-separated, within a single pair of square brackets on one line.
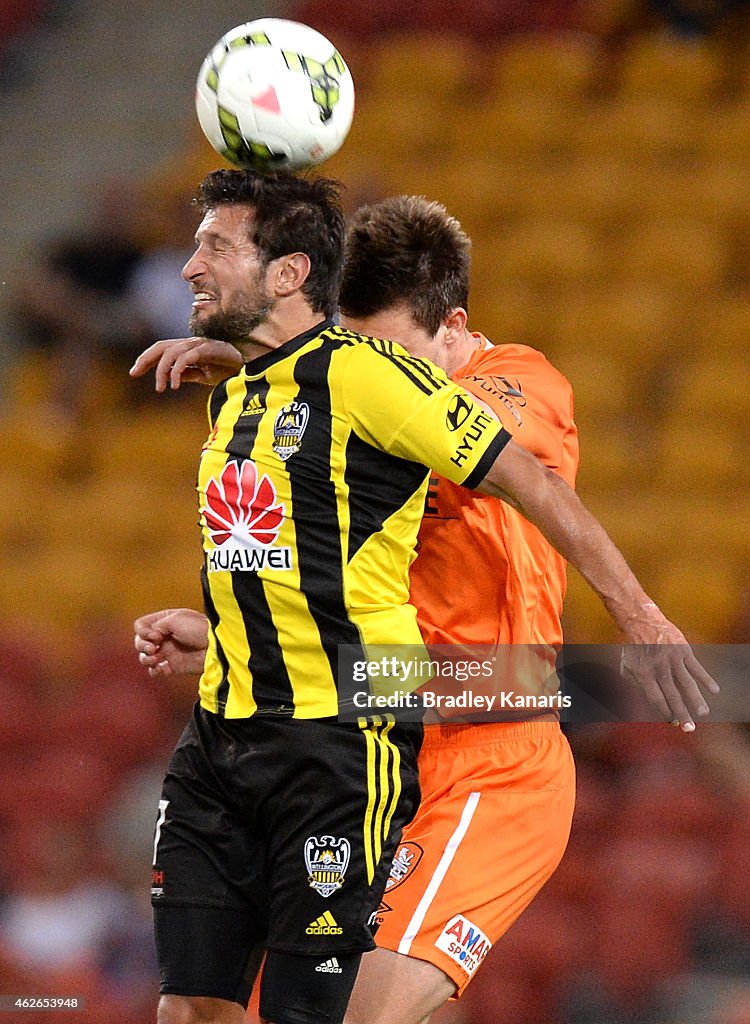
[(455, 324), (289, 273)]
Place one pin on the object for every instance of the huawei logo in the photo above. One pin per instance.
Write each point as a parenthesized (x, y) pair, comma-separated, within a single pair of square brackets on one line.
[(239, 507)]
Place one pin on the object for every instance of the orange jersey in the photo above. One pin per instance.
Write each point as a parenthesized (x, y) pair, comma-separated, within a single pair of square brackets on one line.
[(497, 797), (484, 574)]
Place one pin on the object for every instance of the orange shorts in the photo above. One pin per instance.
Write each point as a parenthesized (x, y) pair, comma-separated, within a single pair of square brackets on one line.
[(497, 804)]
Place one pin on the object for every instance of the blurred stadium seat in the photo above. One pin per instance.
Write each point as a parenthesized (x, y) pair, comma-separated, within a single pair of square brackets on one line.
[(605, 385), (684, 256), (360, 21), (545, 253), (596, 192), (691, 459), (540, 65), (488, 194), (168, 437), (611, 460), (636, 322), (662, 67), (18, 17), (447, 69), (585, 619), (712, 192), (506, 311), (28, 379), (725, 136), (723, 329), (58, 784), (638, 130), (524, 128), (699, 593), (409, 126), (714, 389)]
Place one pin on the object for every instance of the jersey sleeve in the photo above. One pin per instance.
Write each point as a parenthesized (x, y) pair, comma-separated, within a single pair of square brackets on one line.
[(529, 396), (409, 408)]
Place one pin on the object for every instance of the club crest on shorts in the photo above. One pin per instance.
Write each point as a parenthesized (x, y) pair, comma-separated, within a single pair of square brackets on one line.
[(288, 428), (327, 860), (404, 863)]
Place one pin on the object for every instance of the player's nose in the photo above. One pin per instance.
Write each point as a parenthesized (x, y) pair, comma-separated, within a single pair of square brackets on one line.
[(193, 267)]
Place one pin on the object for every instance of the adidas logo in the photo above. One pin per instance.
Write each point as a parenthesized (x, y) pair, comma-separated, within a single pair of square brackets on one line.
[(254, 407), (329, 967), (324, 925)]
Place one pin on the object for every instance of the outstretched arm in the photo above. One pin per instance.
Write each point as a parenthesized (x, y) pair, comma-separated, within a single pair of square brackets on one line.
[(670, 676), (194, 360)]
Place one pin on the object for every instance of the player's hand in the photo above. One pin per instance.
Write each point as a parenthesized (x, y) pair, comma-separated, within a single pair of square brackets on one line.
[(658, 658), (172, 641), (194, 360)]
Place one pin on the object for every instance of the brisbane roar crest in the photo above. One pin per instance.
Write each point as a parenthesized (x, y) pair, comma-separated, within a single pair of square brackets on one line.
[(327, 860), (404, 864)]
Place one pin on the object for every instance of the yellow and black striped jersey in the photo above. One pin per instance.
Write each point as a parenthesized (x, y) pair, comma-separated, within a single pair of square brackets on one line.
[(311, 489)]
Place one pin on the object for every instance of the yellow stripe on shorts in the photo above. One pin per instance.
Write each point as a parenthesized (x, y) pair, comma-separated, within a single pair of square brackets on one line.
[(383, 788)]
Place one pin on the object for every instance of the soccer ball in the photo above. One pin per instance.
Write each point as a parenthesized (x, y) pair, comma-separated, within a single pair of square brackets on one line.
[(274, 94)]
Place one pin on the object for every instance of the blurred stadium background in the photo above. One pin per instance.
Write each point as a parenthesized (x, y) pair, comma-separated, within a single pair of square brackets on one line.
[(598, 152)]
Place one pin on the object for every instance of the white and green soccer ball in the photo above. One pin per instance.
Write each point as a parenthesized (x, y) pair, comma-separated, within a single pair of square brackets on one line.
[(274, 95)]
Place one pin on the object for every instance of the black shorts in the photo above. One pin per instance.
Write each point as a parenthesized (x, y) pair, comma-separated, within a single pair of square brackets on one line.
[(288, 827)]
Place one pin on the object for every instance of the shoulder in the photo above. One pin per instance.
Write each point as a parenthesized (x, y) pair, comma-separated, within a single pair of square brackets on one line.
[(524, 389), (513, 363), (521, 358), (353, 348), (380, 358), (362, 346)]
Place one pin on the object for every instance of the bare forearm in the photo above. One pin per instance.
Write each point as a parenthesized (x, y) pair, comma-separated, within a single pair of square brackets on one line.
[(548, 502), (656, 656), (198, 360)]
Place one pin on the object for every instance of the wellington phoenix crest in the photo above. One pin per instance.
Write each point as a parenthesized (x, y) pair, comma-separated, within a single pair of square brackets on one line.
[(288, 428), (327, 860)]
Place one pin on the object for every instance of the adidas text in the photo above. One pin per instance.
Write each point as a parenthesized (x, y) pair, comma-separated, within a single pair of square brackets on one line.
[(324, 925)]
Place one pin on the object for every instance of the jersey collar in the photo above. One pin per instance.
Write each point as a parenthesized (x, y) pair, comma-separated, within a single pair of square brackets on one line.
[(261, 363)]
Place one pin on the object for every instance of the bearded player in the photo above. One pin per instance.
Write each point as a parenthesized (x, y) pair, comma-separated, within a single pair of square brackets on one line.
[(483, 576)]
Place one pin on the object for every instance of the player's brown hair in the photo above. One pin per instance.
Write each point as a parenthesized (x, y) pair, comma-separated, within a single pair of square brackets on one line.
[(405, 250), (290, 214)]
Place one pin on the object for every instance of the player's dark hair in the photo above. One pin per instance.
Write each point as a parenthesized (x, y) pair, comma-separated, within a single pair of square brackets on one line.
[(290, 214), (406, 250)]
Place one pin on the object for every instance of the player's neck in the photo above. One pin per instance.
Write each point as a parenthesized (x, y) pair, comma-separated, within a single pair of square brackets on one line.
[(284, 322), (462, 351)]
